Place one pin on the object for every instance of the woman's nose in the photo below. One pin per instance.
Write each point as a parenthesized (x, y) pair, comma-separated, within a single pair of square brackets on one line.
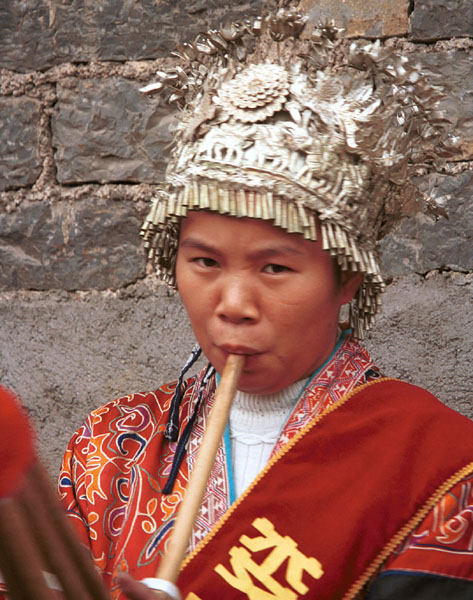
[(237, 300)]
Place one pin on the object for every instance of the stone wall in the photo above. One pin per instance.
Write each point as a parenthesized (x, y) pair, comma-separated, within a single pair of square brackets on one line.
[(81, 151)]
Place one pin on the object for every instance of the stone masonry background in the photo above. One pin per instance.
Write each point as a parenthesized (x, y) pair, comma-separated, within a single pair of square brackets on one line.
[(82, 320)]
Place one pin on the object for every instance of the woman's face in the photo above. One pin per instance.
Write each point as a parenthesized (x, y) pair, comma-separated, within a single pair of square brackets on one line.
[(251, 288)]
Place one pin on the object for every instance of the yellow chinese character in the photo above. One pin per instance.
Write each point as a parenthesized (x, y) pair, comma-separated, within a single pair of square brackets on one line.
[(284, 548)]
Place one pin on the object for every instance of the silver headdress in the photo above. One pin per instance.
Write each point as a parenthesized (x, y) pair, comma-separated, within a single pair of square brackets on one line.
[(297, 129)]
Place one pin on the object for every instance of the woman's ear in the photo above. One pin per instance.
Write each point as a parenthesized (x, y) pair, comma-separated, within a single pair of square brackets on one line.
[(350, 282)]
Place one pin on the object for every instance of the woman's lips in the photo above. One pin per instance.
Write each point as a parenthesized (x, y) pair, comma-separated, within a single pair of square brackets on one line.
[(234, 349)]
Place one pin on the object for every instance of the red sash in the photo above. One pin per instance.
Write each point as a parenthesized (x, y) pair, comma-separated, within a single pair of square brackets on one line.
[(346, 491)]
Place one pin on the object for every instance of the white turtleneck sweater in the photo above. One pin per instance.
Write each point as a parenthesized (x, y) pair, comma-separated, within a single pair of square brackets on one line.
[(256, 422)]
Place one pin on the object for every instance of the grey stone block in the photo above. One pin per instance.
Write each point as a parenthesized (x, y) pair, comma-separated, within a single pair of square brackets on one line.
[(20, 161), (372, 18), (108, 131), (91, 244), (40, 33), (437, 19), (455, 70), (26, 38), (422, 244)]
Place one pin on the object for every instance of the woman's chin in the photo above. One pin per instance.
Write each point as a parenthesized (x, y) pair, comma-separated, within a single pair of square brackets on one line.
[(258, 382)]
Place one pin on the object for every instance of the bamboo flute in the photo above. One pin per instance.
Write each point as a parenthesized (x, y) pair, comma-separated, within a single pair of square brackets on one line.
[(170, 565), (64, 554), (20, 559)]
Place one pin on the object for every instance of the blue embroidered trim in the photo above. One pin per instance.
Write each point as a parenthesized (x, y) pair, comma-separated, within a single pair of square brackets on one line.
[(229, 460)]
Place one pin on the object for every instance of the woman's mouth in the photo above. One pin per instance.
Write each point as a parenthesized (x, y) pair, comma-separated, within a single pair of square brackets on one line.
[(238, 349)]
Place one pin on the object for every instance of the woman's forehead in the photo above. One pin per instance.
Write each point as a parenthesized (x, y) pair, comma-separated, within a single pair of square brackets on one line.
[(213, 224), (255, 237)]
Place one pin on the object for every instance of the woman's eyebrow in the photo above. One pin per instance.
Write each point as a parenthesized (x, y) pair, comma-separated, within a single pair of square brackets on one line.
[(278, 250), (198, 244)]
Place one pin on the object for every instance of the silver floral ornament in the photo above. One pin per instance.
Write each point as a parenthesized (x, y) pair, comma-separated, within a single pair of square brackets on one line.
[(255, 93)]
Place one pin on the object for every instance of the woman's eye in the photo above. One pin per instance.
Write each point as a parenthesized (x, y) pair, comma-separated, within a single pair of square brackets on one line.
[(204, 261), (273, 269)]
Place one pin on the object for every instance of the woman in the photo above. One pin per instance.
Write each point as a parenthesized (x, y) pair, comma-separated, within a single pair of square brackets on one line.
[(331, 481)]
